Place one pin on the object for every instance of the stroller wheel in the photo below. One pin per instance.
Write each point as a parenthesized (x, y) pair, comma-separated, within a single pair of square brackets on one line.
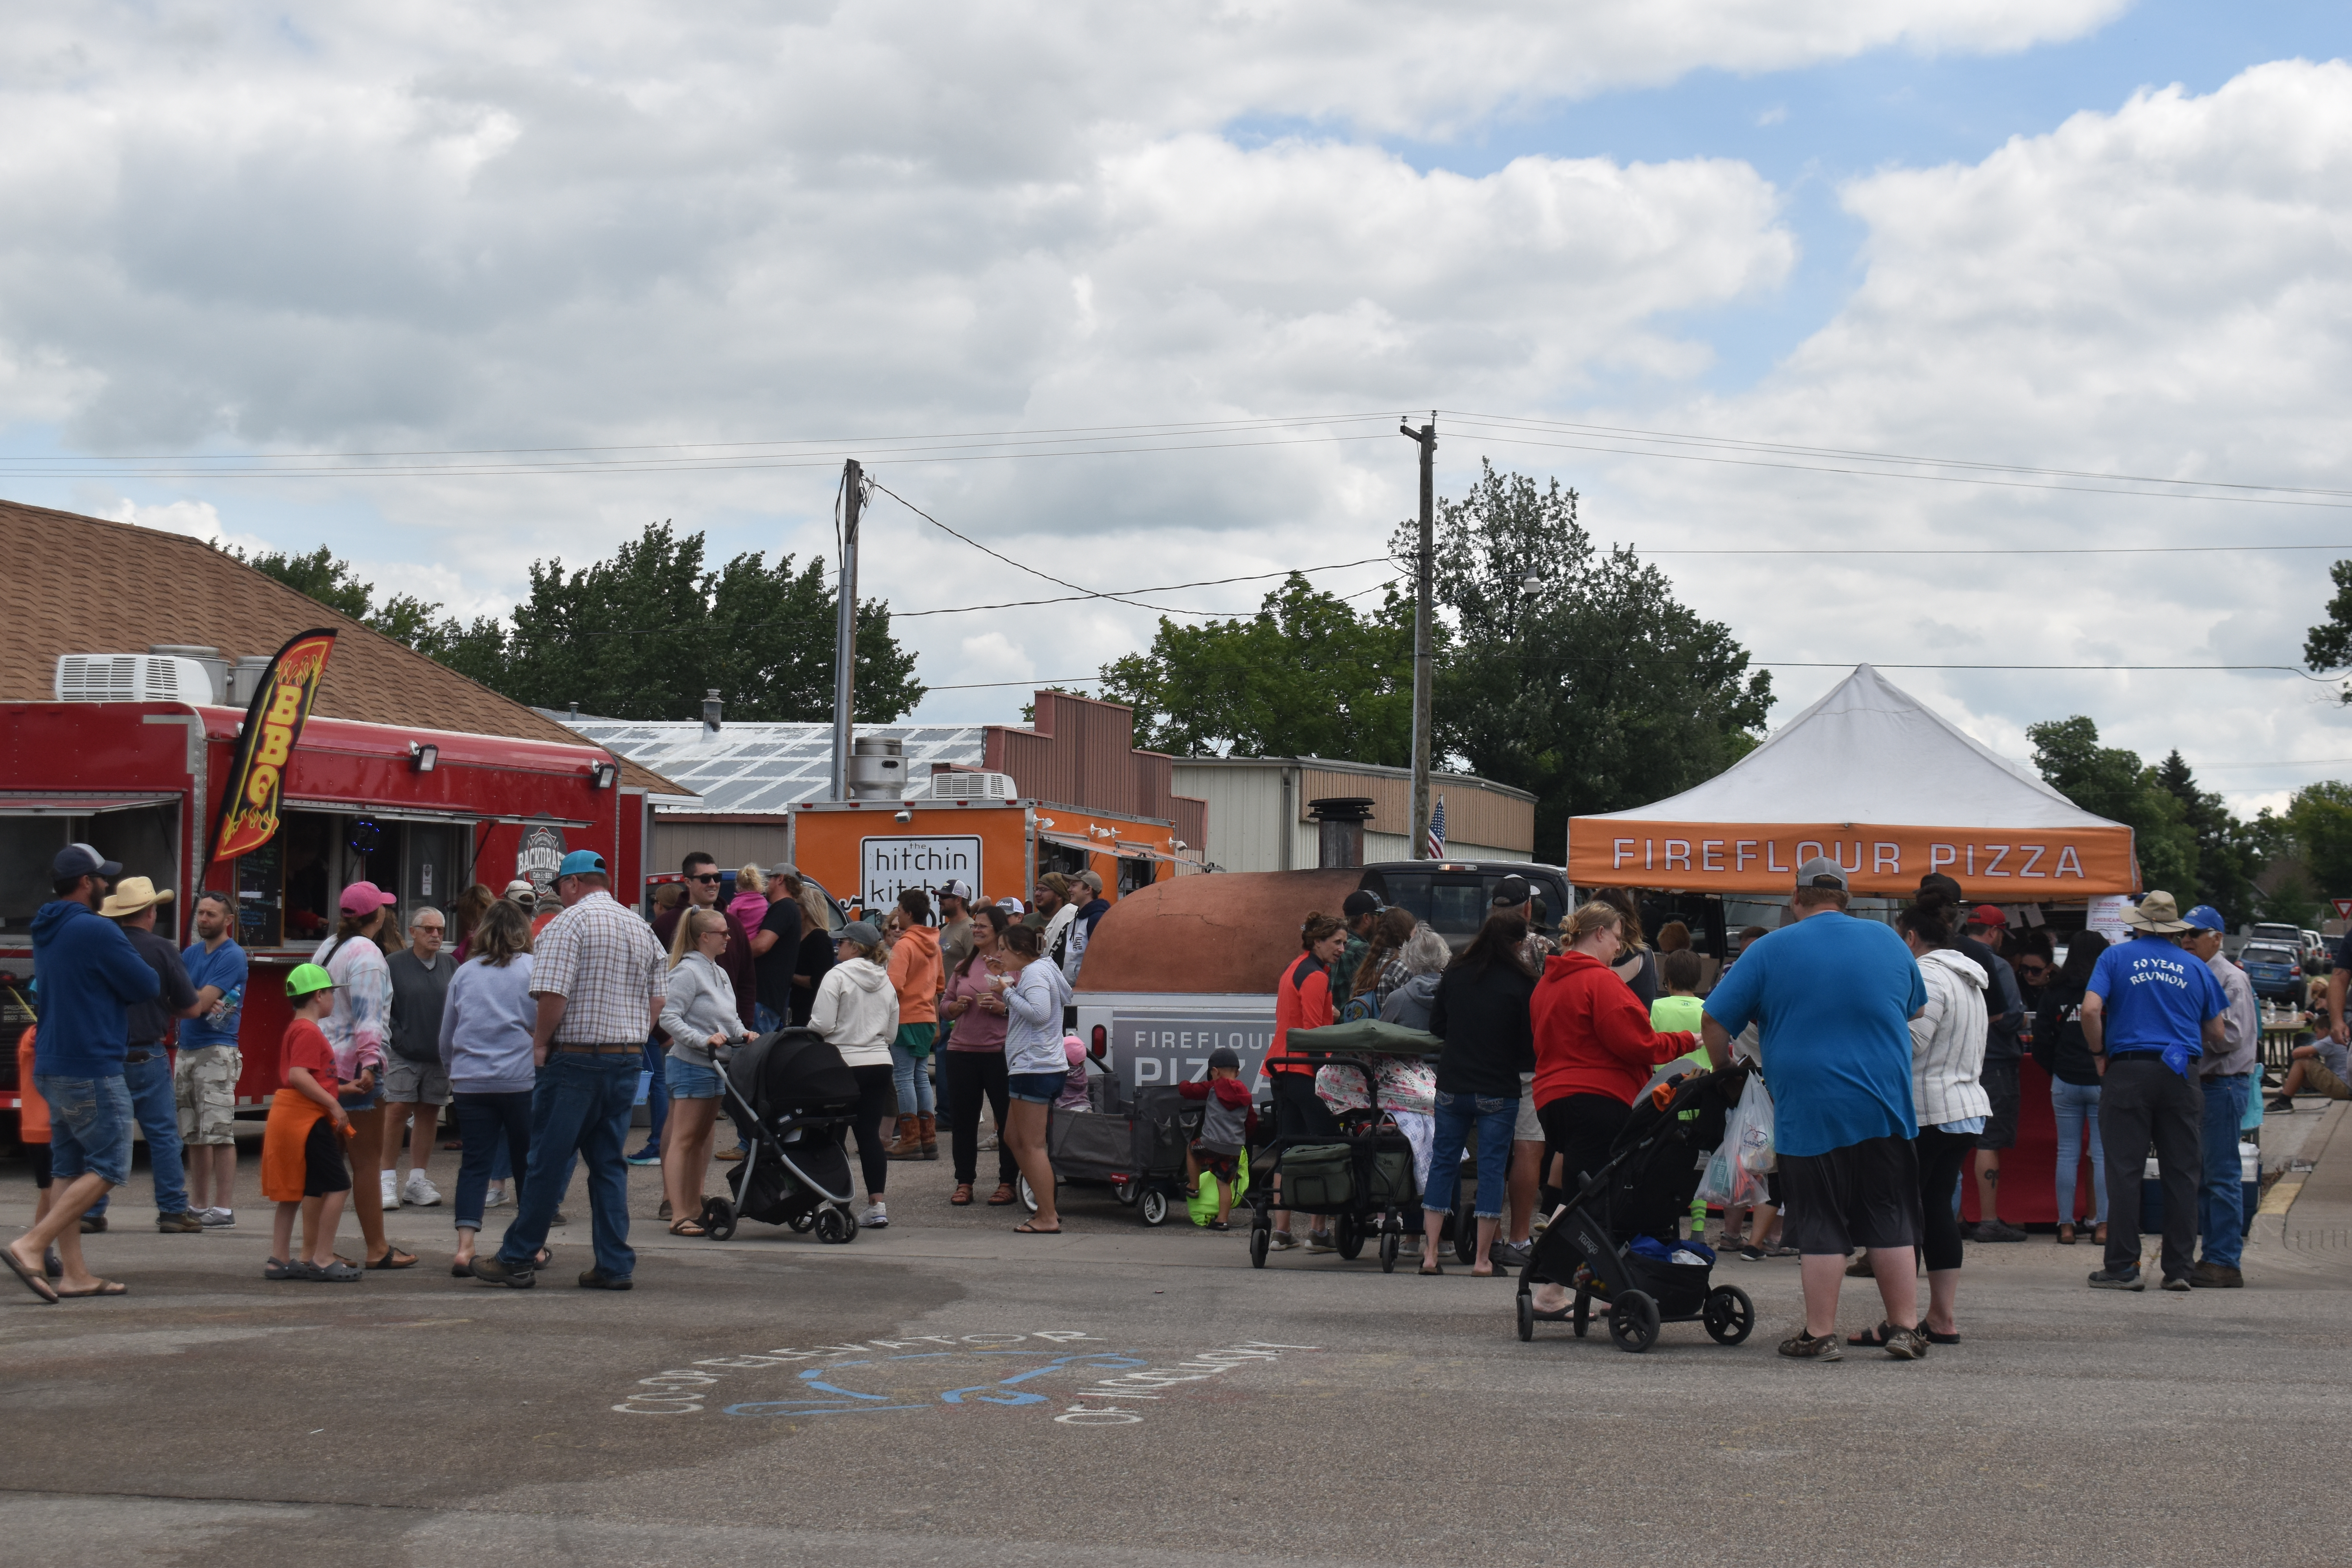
[(1261, 1237), (717, 1219), (1633, 1322), (1581, 1315), (1127, 1193), (1730, 1316), (834, 1227), (1028, 1194), (1349, 1232), (1389, 1243), (1465, 1235), (1527, 1317), (1151, 1208), (801, 1222)]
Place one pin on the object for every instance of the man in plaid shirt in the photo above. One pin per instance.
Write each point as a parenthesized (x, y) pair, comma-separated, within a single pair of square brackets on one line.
[(598, 976)]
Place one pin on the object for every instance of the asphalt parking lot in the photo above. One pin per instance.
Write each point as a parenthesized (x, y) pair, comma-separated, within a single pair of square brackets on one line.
[(946, 1391)]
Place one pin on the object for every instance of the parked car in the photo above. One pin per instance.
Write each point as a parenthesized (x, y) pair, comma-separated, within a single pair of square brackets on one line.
[(1452, 895), (2318, 958), (2275, 969)]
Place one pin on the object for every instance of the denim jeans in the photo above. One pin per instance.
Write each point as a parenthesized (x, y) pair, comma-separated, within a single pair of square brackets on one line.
[(2222, 1200), (765, 1019), (656, 1091), (911, 1075), (89, 1126), (490, 1124), (157, 1110), (582, 1104), (2076, 1108), (1492, 1118)]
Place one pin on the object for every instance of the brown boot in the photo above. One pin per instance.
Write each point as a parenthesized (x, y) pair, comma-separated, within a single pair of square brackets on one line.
[(931, 1136), (909, 1142)]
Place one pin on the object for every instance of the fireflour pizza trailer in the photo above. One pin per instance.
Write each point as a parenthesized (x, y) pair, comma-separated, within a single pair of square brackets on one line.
[(421, 813)]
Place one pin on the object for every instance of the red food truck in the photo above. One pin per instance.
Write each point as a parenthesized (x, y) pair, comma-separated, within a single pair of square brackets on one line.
[(423, 813)]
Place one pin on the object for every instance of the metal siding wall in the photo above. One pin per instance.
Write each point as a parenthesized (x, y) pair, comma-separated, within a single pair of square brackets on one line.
[(1391, 797), (1192, 819), (764, 844), (1153, 789), (1244, 813)]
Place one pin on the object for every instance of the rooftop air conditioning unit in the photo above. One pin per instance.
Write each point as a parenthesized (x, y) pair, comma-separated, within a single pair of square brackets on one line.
[(973, 786), (131, 677)]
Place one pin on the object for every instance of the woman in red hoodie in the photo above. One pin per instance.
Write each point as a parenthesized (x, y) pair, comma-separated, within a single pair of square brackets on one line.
[(1302, 1000), (1595, 1046)]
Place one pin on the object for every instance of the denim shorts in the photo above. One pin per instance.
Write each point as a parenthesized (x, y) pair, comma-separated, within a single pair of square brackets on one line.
[(89, 1126), (1037, 1088), (368, 1101), (689, 1080)]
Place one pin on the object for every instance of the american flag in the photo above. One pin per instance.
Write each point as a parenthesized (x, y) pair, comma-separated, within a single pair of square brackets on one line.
[(1437, 830)]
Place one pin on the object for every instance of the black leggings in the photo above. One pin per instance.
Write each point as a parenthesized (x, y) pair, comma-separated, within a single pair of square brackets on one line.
[(1580, 1128), (878, 1101), (1941, 1155), (966, 1077)]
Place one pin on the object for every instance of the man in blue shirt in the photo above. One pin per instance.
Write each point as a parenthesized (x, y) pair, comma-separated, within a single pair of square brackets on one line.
[(90, 976), (205, 1074), (2148, 1013), (1833, 998)]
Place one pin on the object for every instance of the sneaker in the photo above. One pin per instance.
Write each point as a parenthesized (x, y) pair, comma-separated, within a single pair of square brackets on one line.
[(1321, 1241), (2216, 1277), (1997, 1230), (597, 1279), (490, 1271), (219, 1219), (496, 1197), (1510, 1254), (2178, 1282), (559, 1218), (2278, 1104), (389, 1185), (2118, 1279), (648, 1155), (1750, 1253), (420, 1191), (93, 1224), (1802, 1346), (1858, 1267), (876, 1218), (181, 1224), (1281, 1241)]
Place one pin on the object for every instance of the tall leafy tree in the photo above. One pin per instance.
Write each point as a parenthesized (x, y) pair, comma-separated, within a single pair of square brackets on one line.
[(1574, 673), (2110, 781), (1308, 675), (2228, 854), (2328, 646), (2319, 821)]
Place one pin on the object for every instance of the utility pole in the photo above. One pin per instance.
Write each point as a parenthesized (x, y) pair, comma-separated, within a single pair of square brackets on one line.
[(844, 627), (1426, 439)]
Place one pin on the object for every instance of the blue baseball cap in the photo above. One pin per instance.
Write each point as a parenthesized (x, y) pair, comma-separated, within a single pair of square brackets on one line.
[(2205, 917), (581, 862)]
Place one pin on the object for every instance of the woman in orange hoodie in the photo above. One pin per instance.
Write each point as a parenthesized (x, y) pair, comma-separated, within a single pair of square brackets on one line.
[(1595, 1046), (918, 975)]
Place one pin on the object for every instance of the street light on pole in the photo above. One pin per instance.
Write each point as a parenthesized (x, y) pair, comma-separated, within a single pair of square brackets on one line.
[(1426, 439)]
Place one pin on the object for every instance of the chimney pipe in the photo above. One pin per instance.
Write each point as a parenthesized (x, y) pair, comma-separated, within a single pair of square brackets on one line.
[(710, 711)]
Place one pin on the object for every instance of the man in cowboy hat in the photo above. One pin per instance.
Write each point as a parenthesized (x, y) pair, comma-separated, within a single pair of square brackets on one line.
[(2148, 1013), (146, 1069)]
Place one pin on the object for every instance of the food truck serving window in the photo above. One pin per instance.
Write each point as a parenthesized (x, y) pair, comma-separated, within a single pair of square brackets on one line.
[(141, 831), (290, 891)]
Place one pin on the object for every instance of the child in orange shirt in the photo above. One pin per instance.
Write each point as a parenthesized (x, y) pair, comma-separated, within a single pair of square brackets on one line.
[(33, 1133), (302, 1165)]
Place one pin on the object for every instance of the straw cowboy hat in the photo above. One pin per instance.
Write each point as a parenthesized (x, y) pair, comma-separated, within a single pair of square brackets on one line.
[(132, 894), (2157, 913)]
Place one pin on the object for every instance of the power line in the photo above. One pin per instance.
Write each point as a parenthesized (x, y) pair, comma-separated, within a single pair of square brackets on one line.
[(1166, 588)]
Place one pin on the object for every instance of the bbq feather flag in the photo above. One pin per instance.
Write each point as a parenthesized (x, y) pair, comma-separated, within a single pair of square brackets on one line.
[(256, 775)]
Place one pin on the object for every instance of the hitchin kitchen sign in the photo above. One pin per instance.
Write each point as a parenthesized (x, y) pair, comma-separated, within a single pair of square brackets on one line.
[(888, 867)]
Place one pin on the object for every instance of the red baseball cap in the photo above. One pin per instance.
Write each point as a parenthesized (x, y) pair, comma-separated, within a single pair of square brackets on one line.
[(1986, 915), (363, 899)]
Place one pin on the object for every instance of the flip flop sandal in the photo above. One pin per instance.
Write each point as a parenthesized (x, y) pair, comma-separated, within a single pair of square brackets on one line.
[(103, 1288), (1003, 1195), (1031, 1230), (686, 1227), (1433, 1268), (962, 1198), (33, 1282), (393, 1259)]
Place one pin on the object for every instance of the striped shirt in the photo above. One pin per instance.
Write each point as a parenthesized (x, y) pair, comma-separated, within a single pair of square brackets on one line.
[(605, 964)]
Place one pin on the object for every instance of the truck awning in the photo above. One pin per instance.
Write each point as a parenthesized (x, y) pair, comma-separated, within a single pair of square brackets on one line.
[(39, 802), (445, 813)]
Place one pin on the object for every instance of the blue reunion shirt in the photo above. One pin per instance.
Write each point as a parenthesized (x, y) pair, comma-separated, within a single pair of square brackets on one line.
[(1832, 996), (2156, 995), (223, 967)]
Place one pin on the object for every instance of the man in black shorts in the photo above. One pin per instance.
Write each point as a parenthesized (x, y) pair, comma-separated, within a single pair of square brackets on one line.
[(1833, 997)]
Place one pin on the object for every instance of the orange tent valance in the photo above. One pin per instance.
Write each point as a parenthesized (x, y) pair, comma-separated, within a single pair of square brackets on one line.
[(2022, 866)]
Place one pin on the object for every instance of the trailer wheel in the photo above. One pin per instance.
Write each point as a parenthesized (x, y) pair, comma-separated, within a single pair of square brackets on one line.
[(1152, 1207)]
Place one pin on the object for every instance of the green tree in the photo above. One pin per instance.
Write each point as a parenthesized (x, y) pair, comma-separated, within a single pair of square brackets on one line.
[(1590, 685), (2228, 856), (319, 574), (2328, 646), (2319, 818), (2110, 781), (1306, 676)]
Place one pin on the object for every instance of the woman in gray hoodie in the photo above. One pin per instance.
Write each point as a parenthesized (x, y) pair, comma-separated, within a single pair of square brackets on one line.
[(856, 1010), (485, 1048), (699, 1016)]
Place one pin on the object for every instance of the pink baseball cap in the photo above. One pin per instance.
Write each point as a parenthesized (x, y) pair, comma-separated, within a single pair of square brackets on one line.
[(364, 899)]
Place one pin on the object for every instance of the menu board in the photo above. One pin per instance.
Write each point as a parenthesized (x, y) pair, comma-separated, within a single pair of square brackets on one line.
[(260, 918)]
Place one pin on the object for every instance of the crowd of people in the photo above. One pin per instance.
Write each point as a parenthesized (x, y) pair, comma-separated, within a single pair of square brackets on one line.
[(554, 1015)]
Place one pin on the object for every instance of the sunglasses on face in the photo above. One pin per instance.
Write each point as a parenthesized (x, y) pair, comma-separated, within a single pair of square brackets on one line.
[(713, 877)]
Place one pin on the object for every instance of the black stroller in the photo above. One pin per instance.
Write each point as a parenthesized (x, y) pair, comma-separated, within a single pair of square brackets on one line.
[(792, 1098), (1355, 1167), (1642, 1189), (1136, 1149)]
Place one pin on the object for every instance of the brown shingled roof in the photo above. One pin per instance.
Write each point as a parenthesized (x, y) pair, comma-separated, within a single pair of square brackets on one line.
[(83, 584)]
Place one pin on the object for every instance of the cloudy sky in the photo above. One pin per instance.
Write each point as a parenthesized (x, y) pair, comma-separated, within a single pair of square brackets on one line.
[(1135, 293)]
